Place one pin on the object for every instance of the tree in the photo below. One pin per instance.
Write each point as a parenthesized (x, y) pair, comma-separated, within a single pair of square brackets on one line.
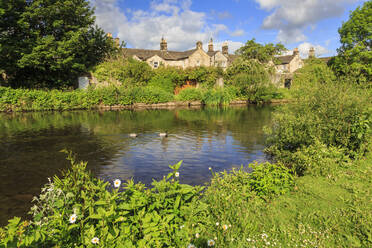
[(354, 58), (262, 53), (48, 43)]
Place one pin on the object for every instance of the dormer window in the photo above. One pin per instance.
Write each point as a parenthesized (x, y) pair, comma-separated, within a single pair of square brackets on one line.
[(156, 64)]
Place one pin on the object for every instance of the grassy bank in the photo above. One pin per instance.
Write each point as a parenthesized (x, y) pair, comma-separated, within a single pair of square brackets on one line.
[(13, 100), (269, 208), (316, 193)]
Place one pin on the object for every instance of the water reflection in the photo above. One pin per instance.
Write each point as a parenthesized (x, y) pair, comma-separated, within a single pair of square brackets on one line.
[(202, 138)]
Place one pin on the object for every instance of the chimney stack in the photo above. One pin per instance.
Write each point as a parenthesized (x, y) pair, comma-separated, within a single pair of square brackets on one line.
[(117, 42), (225, 48), (163, 44), (210, 45), (296, 52), (199, 45), (311, 53)]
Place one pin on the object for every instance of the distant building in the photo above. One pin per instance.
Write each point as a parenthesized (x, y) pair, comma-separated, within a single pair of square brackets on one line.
[(190, 58), (290, 63)]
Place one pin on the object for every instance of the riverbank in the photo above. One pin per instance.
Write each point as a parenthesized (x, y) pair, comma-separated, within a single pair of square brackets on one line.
[(309, 211), (317, 194), (23, 100)]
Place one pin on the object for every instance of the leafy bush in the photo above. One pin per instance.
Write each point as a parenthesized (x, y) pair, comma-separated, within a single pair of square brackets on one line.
[(150, 95), (73, 210), (190, 94), (270, 179), (205, 76), (252, 79), (314, 72), (128, 72), (220, 96), (333, 114)]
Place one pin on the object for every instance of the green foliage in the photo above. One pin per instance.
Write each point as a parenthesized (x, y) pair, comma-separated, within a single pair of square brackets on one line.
[(238, 209), (28, 100), (315, 71), (150, 95), (127, 72), (220, 96), (48, 43), (355, 55), (190, 94), (72, 210), (261, 53), (252, 79), (335, 114), (168, 78), (205, 76)]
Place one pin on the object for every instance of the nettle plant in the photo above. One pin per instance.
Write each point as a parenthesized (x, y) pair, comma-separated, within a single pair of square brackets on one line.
[(79, 210)]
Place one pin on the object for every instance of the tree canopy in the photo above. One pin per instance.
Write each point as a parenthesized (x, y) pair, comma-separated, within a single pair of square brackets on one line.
[(48, 43), (355, 55), (262, 53)]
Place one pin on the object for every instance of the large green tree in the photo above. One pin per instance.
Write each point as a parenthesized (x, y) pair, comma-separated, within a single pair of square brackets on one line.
[(48, 43), (354, 58), (257, 51)]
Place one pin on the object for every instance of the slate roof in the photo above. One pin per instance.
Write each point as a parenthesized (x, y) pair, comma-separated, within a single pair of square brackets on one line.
[(144, 54), (285, 59)]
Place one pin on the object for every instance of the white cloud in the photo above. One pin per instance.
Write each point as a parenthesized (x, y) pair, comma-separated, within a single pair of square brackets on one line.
[(172, 19), (305, 47), (291, 17), (238, 32), (224, 15)]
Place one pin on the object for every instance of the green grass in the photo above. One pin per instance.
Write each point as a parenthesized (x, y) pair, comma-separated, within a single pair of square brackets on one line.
[(331, 211)]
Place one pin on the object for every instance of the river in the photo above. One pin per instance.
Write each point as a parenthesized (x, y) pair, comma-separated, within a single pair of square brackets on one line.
[(30, 145)]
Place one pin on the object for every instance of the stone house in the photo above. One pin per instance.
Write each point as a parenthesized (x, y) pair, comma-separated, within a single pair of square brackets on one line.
[(290, 63), (190, 58)]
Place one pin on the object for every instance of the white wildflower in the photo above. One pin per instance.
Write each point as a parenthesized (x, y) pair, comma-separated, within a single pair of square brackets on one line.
[(217, 223), (211, 242), (197, 235), (117, 183), (225, 227), (177, 174), (95, 240), (73, 218), (191, 246)]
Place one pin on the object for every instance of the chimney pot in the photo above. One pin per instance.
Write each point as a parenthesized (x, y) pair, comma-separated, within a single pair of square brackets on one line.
[(199, 45), (210, 45), (225, 48)]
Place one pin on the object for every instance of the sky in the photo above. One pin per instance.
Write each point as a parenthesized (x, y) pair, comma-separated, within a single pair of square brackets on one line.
[(295, 23)]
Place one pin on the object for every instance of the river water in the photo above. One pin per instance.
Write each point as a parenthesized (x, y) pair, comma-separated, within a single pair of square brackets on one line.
[(30, 145)]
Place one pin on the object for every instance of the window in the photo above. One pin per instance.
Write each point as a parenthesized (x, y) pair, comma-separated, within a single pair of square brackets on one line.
[(198, 63), (156, 64)]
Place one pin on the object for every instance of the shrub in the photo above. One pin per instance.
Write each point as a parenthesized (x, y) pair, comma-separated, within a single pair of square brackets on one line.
[(150, 95), (334, 114), (252, 79), (129, 72), (220, 96), (73, 210), (190, 94), (270, 179)]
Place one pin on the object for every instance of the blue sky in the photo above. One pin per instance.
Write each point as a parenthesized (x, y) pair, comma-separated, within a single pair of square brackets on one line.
[(295, 23)]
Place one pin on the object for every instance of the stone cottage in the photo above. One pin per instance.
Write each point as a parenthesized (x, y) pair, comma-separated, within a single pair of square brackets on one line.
[(190, 58)]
